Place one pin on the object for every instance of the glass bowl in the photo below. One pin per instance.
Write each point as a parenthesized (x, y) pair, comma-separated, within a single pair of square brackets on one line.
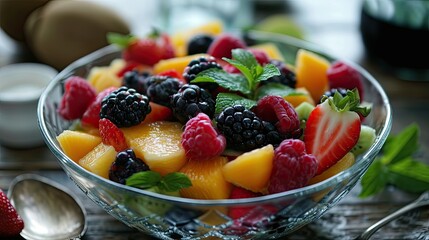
[(198, 219)]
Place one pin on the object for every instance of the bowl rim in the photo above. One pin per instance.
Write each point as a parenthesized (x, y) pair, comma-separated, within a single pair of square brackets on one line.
[(307, 190)]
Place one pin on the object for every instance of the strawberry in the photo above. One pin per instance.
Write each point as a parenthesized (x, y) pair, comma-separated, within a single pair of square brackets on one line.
[(223, 44), (92, 114), (341, 75), (112, 135), (333, 128), (78, 95), (11, 224), (147, 51)]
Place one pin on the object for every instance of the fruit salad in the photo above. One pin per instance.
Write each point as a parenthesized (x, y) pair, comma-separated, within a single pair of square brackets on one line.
[(203, 114)]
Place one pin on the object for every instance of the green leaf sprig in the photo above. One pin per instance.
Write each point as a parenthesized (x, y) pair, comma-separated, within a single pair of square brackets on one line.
[(245, 87), (149, 179), (397, 166)]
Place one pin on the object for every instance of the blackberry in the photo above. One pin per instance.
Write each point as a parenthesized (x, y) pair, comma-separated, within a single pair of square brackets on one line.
[(125, 165), (331, 92), (286, 77), (191, 100), (161, 88), (198, 65), (244, 131), (137, 80), (125, 107), (199, 44)]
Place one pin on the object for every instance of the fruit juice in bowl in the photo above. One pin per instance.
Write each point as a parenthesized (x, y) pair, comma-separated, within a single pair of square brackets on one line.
[(228, 139)]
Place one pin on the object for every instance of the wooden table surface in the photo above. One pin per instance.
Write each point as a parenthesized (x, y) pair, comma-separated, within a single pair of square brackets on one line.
[(332, 24)]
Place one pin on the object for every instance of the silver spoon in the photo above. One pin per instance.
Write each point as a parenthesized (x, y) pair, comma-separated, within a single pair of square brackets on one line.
[(48, 210), (423, 200)]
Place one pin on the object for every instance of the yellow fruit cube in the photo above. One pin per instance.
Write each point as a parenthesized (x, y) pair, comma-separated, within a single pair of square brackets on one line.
[(296, 99), (103, 77), (77, 144), (310, 70), (179, 63), (251, 170), (99, 160), (347, 161), (271, 50), (208, 181), (158, 144), (180, 39)]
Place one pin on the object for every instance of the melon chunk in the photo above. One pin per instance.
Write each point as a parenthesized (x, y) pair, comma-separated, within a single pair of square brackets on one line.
[(77, 144), (99, 160), (208, 181), (310, 70), (251, 170), (158, 144)]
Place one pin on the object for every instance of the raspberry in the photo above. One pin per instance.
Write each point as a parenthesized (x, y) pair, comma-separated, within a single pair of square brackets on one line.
[(286, 77), (199, 44), (223, 44), (112, 135), (341, 75), (191, 100), (92, 113), (244, 131), (125, 107), (137, 80), (125, 165), (161, 88), (78, 95), (278, 111), (292, 166), (200, 139), (260, 56)]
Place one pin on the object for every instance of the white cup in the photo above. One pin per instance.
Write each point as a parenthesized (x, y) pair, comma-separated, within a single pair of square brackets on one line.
[(21, 85)]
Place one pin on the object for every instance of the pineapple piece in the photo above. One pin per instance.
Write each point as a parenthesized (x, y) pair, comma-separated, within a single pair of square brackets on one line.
[(270, 49), (99, 160), (77, 144), (103, 77), (258, 163), (179, 63), (158, 144), (207, 179)]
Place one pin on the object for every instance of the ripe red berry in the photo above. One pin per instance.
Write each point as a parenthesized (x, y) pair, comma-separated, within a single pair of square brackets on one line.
[(112, 135), (11, 224), (292, 166), (341, 75), (92, 114), (223, 44), (200, 139), (78, 95), (278, 111)]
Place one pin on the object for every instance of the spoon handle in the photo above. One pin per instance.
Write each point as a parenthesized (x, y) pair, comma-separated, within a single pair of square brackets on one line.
[(423, 200)]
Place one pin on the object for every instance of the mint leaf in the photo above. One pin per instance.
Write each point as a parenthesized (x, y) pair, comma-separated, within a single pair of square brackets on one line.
[(144, 179), (268, 71), (243, 69), (403, 145), (174, 182), (224, 100), (374, 180), (233, 82), (244, 57), (123, 41), (276, 89), (410, 175)]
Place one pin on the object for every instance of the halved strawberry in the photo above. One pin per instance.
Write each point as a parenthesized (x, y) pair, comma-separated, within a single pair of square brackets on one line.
[(112, 135), (11, 224), (91, 116), (333, 128)]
